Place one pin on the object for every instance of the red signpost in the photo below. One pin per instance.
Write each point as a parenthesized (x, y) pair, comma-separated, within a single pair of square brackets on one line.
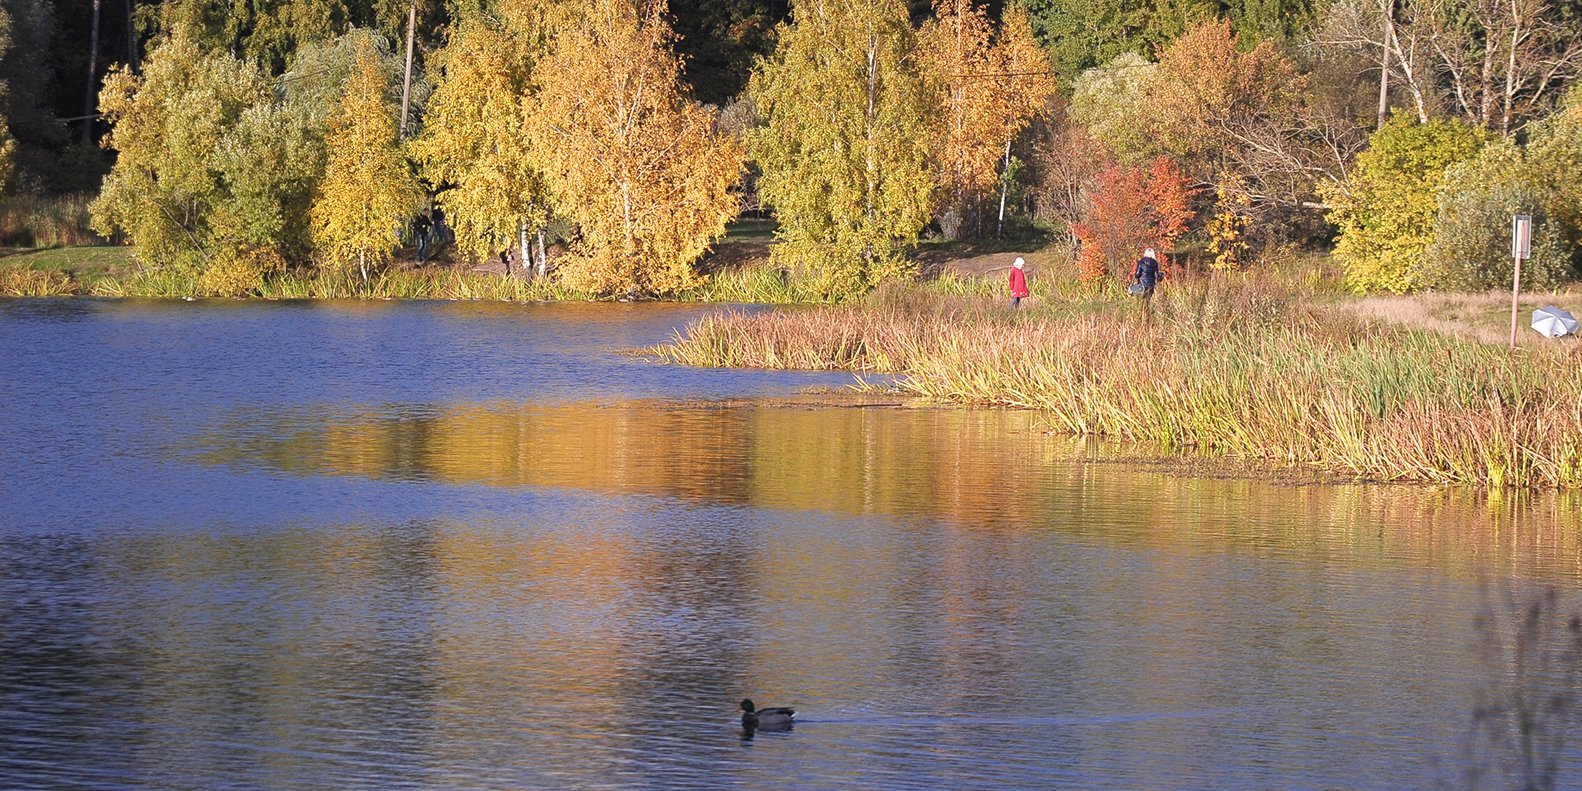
[(1521, 248)]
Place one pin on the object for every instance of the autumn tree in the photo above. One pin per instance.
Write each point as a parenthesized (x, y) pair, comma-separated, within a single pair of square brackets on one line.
[(629, 156), (7, 142), (1493, 64), (1241, 121), (1132, 209), (1386, 210), (167, 127), (367, 192), (473, 146), (991, 85), (845, 145)]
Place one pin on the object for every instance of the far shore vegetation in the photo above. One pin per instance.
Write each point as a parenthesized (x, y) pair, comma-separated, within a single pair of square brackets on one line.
[(1254, 366), (1330, 186)]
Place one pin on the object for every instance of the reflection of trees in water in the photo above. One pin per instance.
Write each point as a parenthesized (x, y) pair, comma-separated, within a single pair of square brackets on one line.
[(1525, 710), (977, 470)]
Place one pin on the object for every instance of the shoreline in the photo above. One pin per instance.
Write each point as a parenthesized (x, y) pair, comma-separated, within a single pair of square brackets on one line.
[(1238, 372)]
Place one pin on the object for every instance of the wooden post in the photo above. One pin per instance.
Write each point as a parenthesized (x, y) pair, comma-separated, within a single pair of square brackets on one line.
[(1521, 247)]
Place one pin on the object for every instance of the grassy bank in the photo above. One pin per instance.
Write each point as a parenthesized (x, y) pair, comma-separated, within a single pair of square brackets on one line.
[(740, 274), (1235, 365)]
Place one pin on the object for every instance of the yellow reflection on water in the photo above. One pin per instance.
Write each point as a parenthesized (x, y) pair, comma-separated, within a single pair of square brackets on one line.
[(981, 470)]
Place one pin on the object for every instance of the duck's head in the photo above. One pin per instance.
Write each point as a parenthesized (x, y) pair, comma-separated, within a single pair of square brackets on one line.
[(747, 705)]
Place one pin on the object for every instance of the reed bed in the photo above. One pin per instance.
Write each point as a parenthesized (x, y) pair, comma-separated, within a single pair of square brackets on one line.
[(46, 221), (435, 283), (19, 282), (1231, 365)]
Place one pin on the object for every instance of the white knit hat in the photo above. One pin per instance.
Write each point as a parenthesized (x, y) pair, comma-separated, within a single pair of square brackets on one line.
[(1018, 262)]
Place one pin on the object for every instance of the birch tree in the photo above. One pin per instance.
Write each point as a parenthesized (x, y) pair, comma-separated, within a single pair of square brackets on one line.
[(167, 126), (631, 159), (1494, 64), (474, 145), (367, 192), (845, 150), (991, 86)]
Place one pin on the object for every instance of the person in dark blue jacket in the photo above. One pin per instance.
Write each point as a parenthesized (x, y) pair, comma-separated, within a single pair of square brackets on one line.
[(1147, 274), (1145, 278)]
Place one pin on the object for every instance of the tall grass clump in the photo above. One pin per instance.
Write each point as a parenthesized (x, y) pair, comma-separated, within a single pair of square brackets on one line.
[(46, 221), (19, 282), (1235, 365), (430, 283), (767, 285)]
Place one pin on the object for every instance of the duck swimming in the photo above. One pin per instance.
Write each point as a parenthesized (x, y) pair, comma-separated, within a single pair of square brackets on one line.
[(776, 717)]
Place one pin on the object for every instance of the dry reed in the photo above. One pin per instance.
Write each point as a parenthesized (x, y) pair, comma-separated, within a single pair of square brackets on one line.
[(1233, 365)]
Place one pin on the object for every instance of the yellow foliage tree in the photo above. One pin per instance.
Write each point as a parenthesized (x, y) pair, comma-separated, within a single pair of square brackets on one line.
[(991, 86), (367, 191), (630, 158), (168, 127), (7, 142), (474, 140), (845, 149)]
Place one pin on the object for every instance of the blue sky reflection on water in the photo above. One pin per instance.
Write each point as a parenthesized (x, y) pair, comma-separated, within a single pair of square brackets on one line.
[(395, 545)]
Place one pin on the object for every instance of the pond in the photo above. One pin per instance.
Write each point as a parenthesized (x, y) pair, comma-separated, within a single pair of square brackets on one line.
[(418, 545)]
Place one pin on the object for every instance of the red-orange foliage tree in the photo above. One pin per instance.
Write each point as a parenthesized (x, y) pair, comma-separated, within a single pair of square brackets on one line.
[(1132, 209)]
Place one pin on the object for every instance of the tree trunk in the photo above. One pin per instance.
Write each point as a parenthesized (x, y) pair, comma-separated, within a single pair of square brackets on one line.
[(522, 244), (89, 100), (362, 264), (1005, 188), (1510, 72), (868, 132), (1384, 60), (543, 258), (406, 81), (131, 36)]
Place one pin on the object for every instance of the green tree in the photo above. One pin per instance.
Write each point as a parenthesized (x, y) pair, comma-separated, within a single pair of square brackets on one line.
[(1543, 178), (1081, 34), (845, 147), (1111, 103), (1273, 20), (7, 142), (1471, 245), (167, 127), (1386, 210), (367, 192), (718, 41), (630, 157), (267, 33)]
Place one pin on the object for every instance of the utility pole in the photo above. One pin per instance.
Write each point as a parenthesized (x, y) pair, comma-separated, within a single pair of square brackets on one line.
[(88, 102), (406, 83)]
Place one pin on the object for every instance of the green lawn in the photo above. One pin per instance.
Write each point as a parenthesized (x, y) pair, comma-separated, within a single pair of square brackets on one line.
[(76, 261)]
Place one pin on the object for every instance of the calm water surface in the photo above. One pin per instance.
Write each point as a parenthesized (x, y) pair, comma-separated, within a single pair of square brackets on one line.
[(380, 545)]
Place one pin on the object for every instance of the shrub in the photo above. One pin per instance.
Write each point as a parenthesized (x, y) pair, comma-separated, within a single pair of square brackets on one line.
[(1386, 209), (1132, 209), (1471, 246), (46, 221)]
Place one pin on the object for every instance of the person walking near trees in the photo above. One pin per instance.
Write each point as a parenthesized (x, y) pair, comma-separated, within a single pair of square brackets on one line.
[(1145, 278), (1018, 284)]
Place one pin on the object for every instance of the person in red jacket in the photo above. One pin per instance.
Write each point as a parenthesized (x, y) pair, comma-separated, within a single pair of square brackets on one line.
[(1018, 284)]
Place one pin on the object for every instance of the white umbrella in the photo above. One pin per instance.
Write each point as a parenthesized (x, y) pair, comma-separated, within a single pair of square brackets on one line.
[(1552, 322)]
